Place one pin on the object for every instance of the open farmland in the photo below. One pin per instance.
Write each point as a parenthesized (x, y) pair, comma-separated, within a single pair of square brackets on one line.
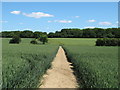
[(73, 41), (60, 44), (95, 67), (24, 64)]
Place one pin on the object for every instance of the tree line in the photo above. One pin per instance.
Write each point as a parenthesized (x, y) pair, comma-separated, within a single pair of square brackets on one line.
[(108, 42), (67, 33), (22, 34), (86, 33)]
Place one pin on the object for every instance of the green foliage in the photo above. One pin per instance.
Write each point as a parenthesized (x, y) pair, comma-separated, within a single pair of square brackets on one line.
[(86, 33), (100, 42), (10, 34), (43, 39), (107, 42), (24, 64), (95, 67), (15, 39), (26, 34), (68, 33), (38, 34), (22, 34), (33, 42)]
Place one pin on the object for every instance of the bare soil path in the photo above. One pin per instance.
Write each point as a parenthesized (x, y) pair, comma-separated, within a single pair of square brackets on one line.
[(60, 75)]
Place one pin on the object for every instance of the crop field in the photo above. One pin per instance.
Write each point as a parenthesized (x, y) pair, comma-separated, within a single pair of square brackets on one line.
[(95, 67), (73, 41), (24, 64)]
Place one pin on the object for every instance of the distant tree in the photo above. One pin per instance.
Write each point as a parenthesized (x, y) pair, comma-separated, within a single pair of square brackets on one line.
[(100, 42), (33, 42), (26, 34), (51, 35), (107, 42), (118, 42), (43, 39), (0, 34), (67, 33), (37, 34), (110, 35), (15, 39)]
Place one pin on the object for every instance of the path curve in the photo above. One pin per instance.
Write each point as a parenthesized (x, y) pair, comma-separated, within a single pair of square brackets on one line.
[(60, 75)]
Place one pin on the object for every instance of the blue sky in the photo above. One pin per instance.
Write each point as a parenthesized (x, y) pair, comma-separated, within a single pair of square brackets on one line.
[(51, 16), (60, 0)]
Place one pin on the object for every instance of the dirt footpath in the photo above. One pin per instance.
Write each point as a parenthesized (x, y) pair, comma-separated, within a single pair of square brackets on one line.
[(60, 75)]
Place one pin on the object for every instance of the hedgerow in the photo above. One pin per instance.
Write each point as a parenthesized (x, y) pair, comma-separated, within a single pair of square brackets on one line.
[(16, 39), (108, 42)]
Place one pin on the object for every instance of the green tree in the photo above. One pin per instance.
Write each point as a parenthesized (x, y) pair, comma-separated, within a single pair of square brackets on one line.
[(37, 34), (16, 39), (26, 34), (43, 39), (33, 42)]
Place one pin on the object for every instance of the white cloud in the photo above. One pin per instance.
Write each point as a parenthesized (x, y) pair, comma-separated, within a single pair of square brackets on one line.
[(15, 12), (77, 16), (117, 22), (89, 27), (92, 20), (105, 23), (3, 21), (65, 21), (49, 21), (20, 23), (38, 15), (61, 21)]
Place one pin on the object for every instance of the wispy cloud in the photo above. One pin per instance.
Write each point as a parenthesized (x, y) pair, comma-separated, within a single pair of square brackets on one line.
[(3, 21), (64, 21), (20, 23), (92, 20), (105, 23), (16, 12), (117, 22), (77, 16), (61, 21), (49, 21), (91, 27), (37, 14)]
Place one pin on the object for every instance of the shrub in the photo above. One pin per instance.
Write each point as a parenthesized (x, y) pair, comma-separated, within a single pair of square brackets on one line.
[(15, 39), (100, 42), (114, 42), (108, 42), (118, 42), (43, 39), (33, 42)]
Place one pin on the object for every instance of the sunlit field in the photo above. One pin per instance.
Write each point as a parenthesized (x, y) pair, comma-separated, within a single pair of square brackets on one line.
[(24, 64)]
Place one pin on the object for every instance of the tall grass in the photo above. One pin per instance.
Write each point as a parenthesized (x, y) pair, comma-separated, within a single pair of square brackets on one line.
[(24, 64), (95, 67)]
